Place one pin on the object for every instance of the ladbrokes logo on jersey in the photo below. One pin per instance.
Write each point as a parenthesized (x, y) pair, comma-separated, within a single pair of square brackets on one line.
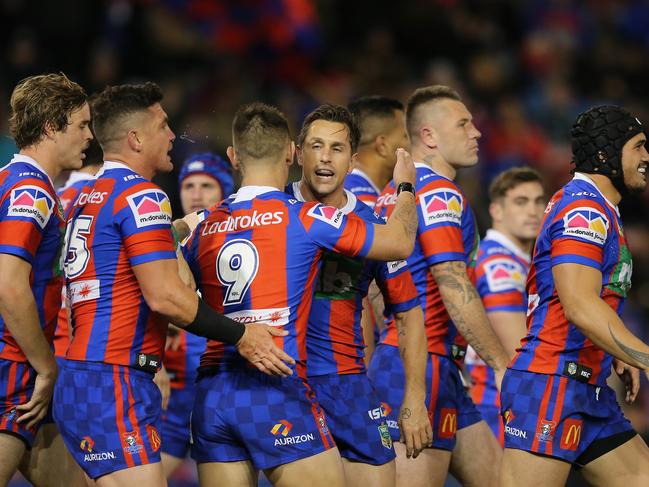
[(282, 429), (586, 223), (328, 214), (504, 274), (31, 202), (441, 205), (150, 207)]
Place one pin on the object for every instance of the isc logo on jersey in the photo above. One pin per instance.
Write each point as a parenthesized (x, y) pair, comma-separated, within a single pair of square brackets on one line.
[(504, 275), (31, 202), (441, 205), (150, 207), (328, 214), (586, 223)]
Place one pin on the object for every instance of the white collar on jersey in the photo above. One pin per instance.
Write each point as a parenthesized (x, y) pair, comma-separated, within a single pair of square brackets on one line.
[(108, 165), (246, 193), (503, 240), (361, 173), (75, 177), (580, 176), (423, 165), (28, 160), (347, 209)]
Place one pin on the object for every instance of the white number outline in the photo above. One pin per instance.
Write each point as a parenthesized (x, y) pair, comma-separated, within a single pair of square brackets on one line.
[(237, 288), (76, 242)]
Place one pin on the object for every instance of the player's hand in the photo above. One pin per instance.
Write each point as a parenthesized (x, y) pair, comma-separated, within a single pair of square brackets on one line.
[(415, 428), (163, 382), (257, 346), (33, 411), (404, 169), (174, 340), (630, 376)]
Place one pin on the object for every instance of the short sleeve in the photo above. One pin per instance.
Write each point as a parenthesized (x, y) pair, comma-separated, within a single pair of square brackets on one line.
[(501, 284), (440, 211), (397, 286), (143, 215), (330, 228), (578, 234), (24, 213)]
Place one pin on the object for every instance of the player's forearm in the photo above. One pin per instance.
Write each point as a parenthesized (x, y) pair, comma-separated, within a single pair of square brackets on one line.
[(396, 239), (601, 324), (465, 309), (413, 351), (18, 310), (509, 327)]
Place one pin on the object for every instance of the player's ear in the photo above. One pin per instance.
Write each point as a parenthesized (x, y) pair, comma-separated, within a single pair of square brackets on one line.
[(232, 155), (50, 130), (429, 136), (298, 154), (290, 153), (496, 211), (381, 147), (133, 140), (352, 162)]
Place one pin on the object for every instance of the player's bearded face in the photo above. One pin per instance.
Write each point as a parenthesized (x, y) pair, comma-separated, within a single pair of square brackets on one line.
[(457, 135), (522, 210), (326, 157), (157, 138), (635, 160), (74, 139)]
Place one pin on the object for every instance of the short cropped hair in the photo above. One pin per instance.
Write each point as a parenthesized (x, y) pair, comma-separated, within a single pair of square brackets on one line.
[(39, 101), (332, 113), (111, 107), (509, 179), (259, 131), (371, 111), (422, 96)]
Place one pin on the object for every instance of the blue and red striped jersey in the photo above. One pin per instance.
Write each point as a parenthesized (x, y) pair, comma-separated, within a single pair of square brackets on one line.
[(31, 228), (67, 195), (446, 232), (362, 186), (501, 272), (119, 220), (334, 337), (256, 257), (580, 227)]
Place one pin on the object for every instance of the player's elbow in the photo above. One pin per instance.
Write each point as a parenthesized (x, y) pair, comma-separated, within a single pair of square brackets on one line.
[(575, 311), (160, 300)]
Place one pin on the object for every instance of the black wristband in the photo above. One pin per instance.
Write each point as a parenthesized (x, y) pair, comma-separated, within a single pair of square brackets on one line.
[(405, 187), (215, 326)]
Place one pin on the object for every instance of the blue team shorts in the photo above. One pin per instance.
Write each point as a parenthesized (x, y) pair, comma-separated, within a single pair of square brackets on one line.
[(559, 417), (175, 425), (247, 415), (108, 416), (449, 406), (356, 417), (16, 387)]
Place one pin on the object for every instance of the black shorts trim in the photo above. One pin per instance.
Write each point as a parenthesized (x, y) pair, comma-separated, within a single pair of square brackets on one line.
[(19, 436), (602, 446)]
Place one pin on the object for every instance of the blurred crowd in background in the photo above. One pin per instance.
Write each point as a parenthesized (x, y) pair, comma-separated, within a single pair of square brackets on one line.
[(524, 68)]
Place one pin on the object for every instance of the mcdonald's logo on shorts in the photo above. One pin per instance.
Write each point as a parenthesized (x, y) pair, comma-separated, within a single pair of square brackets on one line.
[(571, 434), (447, 423)]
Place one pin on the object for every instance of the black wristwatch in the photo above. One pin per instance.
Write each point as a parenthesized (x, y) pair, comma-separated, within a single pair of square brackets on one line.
[(405, 187)]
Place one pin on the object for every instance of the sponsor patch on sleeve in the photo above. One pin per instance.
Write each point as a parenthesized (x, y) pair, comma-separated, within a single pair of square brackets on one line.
[(33, 202), (150, 207), (586, 223), (504, 275), (328, 214), (441, 205)]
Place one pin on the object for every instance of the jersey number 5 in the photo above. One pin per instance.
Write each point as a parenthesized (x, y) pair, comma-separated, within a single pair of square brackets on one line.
[(76, 256), (236, 267)]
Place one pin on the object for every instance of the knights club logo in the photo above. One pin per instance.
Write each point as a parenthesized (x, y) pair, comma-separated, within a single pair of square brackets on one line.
[(545, 431)]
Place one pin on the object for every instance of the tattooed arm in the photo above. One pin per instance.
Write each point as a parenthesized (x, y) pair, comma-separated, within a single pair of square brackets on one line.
[(414, 424), (468, 314), (579, 290)]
